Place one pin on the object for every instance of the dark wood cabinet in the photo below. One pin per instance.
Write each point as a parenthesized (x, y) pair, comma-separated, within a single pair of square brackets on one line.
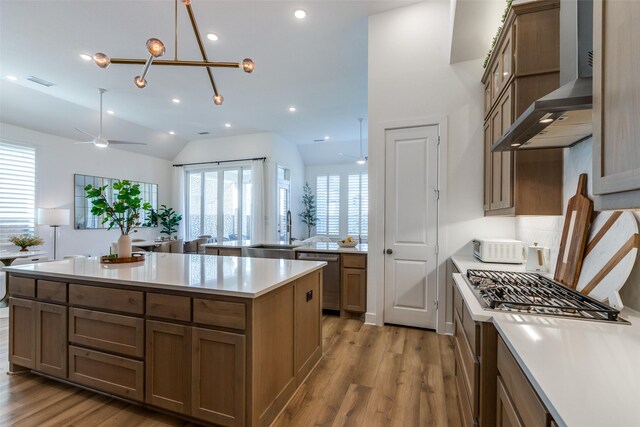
[(51, 339), (22, 334), (506, 415), (168, 366), (616, 105), (523, 67), (218, 376)]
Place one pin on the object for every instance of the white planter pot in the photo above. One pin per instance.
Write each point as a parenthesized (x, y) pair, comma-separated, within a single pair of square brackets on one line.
[(124, 246)]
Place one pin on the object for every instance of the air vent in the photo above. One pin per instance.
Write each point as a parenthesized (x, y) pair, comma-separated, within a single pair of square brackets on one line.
[(319, 140), (40, 81), (204, 133)]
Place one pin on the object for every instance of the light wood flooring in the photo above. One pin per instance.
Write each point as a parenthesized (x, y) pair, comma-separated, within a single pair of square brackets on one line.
[(369, 376)]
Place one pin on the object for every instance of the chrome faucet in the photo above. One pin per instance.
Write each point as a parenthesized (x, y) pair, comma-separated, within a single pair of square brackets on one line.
[(289, 237)]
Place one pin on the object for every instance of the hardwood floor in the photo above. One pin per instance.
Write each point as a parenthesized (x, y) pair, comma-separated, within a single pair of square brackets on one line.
[(369, 376)]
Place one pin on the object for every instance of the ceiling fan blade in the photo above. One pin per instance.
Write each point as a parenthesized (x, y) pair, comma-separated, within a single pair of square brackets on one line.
[(86, 133), (114, 142), (85, 142)]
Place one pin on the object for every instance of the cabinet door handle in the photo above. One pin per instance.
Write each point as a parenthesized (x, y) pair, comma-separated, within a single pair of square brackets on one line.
[(389, 251)]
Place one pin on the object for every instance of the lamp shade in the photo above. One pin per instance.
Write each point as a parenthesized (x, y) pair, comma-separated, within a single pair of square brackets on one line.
[(53, 216)]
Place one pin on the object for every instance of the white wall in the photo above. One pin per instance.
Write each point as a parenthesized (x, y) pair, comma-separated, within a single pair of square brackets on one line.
[(344, 170), (58, 159), (426, 86), (273, 147), (547, 231)]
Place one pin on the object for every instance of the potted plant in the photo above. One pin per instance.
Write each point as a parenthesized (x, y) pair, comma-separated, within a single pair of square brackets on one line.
[(168, 220), (25, 240), (308, 215), (124, 212)]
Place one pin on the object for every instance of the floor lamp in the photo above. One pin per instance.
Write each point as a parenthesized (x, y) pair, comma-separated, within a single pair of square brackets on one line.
[(54, 218)]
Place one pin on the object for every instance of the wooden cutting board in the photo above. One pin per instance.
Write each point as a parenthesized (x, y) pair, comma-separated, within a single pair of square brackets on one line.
[(574, 236), (610, 256)]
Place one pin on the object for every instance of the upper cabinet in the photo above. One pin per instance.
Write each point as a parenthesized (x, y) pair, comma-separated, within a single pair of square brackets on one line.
[(524, 66), (616, 105)]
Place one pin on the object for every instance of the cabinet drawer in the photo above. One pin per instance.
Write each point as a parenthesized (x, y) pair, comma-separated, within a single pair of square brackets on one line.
[(52, 291), (109, 299), (224, 314), (525, 400), (354, 261), (471, 331), (105, 372), (230, 252), (468, 419), (105, 331), (170, 307), (457, 300), (21, 286), (469, 365)]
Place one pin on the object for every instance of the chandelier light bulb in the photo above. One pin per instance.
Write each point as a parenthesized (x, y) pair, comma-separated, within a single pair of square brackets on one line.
[(101, 60), (248, 65), (140, 82), (218, 99), (155, 47)]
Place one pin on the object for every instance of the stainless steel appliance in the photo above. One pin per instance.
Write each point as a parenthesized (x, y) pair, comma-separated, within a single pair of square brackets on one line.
[(532, 293), (270, 251), (330, 278), (499, 250)]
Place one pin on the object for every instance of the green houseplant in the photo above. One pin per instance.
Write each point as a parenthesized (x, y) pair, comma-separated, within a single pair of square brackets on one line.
[(168, 220), (25, 240), (309, 214), (123, 212)]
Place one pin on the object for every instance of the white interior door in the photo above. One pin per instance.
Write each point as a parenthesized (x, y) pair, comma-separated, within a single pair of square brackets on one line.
[(411, 226)]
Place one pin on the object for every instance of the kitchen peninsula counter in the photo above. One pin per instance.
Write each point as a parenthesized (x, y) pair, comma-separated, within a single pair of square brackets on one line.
[(217, 340)]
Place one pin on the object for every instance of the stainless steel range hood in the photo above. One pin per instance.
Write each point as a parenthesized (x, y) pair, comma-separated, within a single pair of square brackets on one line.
[(563, 117)]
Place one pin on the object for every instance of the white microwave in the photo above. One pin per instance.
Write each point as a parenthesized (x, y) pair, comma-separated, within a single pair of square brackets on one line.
[(499, 250)]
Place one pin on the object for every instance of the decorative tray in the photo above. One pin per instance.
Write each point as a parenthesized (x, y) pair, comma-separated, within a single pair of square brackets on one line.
[(136, 257)]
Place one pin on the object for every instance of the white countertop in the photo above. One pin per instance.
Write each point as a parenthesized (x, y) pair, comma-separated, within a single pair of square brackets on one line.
[(234, 276), (299, 246), (586, 373)]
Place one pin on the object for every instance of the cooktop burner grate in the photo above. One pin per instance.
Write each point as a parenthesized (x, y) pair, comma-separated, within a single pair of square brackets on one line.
[(535, 294)]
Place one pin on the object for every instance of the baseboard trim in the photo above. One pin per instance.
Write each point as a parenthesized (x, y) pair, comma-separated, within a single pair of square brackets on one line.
[(371, 319), (448, 328)]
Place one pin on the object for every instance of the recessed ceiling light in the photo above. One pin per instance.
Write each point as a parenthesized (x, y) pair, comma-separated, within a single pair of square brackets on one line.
[(292, 109), (212, 37), (111, 112), (175, 101), (227, 125), (300, 14), (86, 57), (171, 132), (326, 138), (12, 78)]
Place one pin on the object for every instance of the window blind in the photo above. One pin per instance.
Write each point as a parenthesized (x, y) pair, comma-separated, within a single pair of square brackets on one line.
[(358, 209), (328, 205), (17, 190)]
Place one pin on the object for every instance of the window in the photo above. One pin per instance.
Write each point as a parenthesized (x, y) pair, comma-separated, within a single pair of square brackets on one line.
[(328, 205), (17, 190), (219, 203), (358, 208), (284, 202)]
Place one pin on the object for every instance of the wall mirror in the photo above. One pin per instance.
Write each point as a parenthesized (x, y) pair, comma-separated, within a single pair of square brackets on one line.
[(83, 219)]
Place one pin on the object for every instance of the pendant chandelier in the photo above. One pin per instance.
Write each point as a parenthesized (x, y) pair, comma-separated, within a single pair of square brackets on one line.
[(156, 49)]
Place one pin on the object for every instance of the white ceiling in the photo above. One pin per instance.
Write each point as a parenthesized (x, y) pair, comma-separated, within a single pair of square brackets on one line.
[(318, 64)]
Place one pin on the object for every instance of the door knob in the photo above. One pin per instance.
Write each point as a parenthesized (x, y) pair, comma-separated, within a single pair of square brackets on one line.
[(389, 251)]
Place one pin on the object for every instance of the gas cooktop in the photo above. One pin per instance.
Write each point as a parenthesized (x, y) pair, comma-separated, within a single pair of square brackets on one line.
[(532, 293)]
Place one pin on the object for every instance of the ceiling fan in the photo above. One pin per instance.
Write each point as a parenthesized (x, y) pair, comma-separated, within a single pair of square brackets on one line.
[(362, 159), (100, 141)]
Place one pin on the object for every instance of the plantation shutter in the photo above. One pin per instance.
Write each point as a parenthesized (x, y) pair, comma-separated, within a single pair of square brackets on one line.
[(17, 190), (358, 209), (328, 205)]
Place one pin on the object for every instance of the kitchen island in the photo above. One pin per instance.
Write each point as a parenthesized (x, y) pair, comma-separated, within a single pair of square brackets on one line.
[(219, 340)]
